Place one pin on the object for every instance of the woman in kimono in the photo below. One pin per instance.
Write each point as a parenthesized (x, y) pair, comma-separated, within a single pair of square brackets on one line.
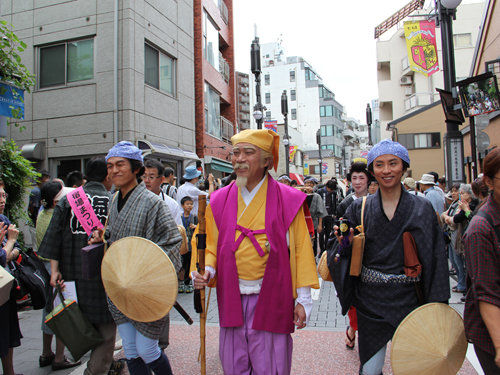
[(138, 212), (383, 294)]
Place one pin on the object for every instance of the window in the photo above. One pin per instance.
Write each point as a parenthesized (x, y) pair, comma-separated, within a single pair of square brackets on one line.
[(292, 75), (310, 76), (66, 62), (325, 93), (293, 95), (210, 41), (294, 114), (212, 111), (461, 40), (268, 98), (326, 110), (158, 70), (327, 130), (268, 115), (267, 79), (425, 140)]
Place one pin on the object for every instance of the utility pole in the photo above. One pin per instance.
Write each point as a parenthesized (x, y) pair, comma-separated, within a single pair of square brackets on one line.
[(320, 159), (286, 139), (256, 70)]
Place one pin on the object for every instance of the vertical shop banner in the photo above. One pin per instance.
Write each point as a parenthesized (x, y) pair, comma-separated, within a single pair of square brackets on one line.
[(271, 125), (325, 168), (306, 168), (293, 151), (421, 45)]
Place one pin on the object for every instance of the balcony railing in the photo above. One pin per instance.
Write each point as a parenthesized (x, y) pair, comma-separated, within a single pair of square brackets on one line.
[(227, 129), (245, 108), (420, 99), (223, 11), (224, 69), (243, 80)]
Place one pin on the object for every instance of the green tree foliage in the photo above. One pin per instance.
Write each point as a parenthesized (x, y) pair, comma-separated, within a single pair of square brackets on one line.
[(16, 173)]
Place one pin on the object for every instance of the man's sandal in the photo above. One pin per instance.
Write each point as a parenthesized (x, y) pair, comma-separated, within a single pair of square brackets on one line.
[(350, 346)]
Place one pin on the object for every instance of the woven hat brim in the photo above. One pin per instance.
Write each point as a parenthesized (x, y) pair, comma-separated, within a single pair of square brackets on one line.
[(140, 279), (430, 340), (323, 270)]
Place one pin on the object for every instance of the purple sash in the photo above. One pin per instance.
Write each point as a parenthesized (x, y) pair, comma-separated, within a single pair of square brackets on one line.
[(274, 311)]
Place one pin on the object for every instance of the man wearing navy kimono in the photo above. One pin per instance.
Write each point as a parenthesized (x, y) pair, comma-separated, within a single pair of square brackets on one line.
[(383, 294)]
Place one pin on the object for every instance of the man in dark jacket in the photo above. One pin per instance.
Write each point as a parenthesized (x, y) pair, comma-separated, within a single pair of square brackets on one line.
[(329, 196), (63, 242)]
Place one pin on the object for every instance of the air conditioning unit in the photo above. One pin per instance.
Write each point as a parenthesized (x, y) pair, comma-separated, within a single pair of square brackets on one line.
[(408, 91), (405, 80)]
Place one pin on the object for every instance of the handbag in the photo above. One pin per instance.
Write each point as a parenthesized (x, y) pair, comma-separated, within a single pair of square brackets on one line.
[(92, 255), (447, 235), (31, 278), (6, 281), (72, 327), (339, 263), (358, 246)]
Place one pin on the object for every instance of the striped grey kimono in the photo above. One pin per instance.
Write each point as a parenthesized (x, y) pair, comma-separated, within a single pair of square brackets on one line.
[(144, 215)]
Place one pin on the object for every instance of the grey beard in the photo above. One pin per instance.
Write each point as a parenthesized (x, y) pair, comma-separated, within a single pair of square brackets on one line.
[(241, 182)]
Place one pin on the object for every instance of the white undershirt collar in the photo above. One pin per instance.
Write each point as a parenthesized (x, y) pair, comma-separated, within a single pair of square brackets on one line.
[(247, 195)]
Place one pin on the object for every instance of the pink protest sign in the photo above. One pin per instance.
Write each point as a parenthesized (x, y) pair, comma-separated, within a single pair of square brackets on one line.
[(83, 210)]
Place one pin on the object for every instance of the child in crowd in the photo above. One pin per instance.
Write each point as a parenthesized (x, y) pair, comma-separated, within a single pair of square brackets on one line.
[(189, 221)]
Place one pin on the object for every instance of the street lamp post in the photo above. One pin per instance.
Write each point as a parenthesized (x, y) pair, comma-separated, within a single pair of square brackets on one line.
[(453, 139), (320, 160), (286, 139), (256, 70), (369, 123)]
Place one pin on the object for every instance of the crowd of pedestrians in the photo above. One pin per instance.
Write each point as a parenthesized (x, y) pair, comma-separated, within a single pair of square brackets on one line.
[(456, 232)]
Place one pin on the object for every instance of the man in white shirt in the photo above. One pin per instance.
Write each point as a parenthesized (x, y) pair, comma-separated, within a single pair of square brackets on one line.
[(153, 178), (192, 175)]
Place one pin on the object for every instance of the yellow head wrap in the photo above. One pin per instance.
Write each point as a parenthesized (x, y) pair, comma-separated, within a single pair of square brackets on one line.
[(265, 139)]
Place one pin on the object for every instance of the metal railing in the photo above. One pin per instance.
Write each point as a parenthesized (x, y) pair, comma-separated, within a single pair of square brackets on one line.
[(223, 11), (224, 68), (420, 99), (227, 129)]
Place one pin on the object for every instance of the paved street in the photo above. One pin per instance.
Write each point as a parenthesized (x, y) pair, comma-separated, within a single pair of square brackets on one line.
[(326, 328)]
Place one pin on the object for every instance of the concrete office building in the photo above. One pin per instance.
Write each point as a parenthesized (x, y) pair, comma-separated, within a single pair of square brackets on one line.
[(243, 101), (401, 90), (75, 111), (311, 105)]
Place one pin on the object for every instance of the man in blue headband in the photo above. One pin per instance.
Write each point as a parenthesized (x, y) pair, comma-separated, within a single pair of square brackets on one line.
[(138, 212), (388, 289)]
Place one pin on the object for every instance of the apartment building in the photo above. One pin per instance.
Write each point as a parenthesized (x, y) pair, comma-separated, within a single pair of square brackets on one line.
[(243, 100), (216, 105), (401, 90), (311, 104)]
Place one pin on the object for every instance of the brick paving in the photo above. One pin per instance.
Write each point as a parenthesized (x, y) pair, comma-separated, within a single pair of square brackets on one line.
[(319, 349)]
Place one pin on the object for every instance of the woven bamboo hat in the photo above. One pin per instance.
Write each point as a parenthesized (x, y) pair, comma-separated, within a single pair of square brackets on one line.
[(184, 244), (139, 278), (323, 270), (430, 340)]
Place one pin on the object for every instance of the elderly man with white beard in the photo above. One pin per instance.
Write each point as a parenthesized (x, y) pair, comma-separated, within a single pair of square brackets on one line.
[(259, 257)]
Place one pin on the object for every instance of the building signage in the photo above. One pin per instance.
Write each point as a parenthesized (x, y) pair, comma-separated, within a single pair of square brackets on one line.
[(456, 160), (306, 168), (11, 101), (421, 45), (325, 168), (293, 151)]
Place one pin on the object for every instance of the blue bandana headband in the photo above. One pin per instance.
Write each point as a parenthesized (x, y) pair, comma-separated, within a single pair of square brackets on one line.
[(388, 147), (125, 149)]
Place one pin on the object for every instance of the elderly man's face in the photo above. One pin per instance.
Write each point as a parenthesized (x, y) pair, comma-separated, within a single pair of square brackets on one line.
[(246, 160)]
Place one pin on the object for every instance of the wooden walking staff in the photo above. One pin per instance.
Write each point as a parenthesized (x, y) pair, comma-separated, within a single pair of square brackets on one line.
[(199, 294)]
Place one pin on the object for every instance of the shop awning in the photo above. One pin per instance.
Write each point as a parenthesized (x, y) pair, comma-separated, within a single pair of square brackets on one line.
[(297, 177), (218, 164), (148, 148)]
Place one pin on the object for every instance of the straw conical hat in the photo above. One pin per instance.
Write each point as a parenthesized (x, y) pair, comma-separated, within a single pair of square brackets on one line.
[(430, 340), (139, 278), (184, 244), (323, 270)]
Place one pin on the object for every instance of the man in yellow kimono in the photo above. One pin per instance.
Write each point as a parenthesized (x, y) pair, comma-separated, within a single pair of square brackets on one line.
[(259, 257)]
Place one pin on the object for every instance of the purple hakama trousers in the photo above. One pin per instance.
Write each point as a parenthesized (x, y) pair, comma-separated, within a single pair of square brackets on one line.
[(245, 351)]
